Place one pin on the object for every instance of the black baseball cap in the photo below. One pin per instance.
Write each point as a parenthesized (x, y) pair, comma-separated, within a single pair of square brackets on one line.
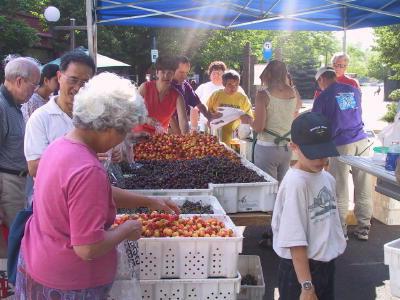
[(313, 134)]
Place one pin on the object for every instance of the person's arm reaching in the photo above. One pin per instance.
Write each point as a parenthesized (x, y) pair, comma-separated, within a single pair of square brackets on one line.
[(182, 117), (127, 199), (130, 230)]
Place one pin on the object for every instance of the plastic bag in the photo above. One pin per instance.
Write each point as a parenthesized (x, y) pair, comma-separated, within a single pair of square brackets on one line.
[(391, 133), (126, 284)]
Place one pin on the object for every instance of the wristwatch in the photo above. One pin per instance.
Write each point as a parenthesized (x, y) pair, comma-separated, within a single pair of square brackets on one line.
[(307, 285)]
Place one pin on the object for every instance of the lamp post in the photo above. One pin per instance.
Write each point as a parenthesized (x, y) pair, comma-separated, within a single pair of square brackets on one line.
[(52, 14)]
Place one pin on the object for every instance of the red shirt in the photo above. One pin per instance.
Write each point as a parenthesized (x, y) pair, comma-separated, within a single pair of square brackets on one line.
[(163, 110), (342, 79)]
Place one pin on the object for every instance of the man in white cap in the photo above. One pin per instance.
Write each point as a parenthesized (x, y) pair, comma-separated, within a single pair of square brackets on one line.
[(341, 104)]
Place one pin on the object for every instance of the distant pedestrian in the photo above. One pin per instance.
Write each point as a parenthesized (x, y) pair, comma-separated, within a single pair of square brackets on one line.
[(378, 91), (306, 225)]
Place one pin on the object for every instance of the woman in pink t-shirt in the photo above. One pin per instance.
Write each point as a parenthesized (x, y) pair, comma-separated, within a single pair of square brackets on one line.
[(68, 250)]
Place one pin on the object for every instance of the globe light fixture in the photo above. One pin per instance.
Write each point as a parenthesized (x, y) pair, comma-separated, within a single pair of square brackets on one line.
[(52, 14)]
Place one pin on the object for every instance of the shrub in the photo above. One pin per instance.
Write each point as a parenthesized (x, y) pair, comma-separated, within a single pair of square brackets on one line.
[(391, 113), (395, 95)]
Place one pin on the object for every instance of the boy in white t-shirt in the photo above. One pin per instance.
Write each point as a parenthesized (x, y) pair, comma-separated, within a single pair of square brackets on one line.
[(308, 235)]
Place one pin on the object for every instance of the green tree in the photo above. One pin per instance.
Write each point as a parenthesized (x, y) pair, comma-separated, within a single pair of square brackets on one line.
[(388, 46), (376, 67), (358, 59), (15, 35)]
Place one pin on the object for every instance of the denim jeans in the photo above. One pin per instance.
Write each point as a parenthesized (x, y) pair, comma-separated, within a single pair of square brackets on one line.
[(322, 274)]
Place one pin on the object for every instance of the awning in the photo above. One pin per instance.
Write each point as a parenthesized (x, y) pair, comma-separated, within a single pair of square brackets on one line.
[(309, 15), (102, 61)]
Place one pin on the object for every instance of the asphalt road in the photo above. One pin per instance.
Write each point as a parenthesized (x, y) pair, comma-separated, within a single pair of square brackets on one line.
[(360, 271)]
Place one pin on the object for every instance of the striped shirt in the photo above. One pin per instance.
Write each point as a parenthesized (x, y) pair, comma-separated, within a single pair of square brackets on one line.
[(12, 130)]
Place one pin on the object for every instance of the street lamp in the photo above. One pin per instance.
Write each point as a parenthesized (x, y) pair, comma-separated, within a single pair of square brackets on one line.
[(52, 14)]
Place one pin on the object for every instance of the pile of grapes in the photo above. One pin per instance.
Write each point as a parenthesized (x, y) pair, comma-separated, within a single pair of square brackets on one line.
[(188, 207), (187, 174), (249, 279)]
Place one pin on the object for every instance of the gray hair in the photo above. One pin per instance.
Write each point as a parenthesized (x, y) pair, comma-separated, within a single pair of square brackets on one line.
[(23, 67), (338, 55), (108, 101)]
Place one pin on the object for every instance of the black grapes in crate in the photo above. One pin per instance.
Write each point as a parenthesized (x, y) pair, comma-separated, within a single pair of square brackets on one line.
[(186, 174), (249, 279), (188, 207)]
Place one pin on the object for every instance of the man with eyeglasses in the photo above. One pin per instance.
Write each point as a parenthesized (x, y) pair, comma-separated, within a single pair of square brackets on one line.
[(54, 119), (340, 62), (22, 76)]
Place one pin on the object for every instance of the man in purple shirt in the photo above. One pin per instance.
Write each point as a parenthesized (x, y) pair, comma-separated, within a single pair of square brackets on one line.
[(341, 104), (191, 99)]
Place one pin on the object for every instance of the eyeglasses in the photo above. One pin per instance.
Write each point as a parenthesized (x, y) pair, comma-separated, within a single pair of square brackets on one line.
[(342, 66), (74, 81), (34, 85), (215, 72)]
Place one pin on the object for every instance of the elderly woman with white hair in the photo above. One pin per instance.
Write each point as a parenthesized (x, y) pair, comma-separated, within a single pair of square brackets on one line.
[(68, 250)]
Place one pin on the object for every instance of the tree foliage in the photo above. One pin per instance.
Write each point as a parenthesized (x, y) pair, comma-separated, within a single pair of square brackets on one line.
[(388, 46), (132, 44)]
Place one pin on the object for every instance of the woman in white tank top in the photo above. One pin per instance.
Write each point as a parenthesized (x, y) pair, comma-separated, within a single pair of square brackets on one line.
[(276, 105)]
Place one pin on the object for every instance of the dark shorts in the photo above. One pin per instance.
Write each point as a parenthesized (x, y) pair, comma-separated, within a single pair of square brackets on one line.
[(323, 279), (27, 288)]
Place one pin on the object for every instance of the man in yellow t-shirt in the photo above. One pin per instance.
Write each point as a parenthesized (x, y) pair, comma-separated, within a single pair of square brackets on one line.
[(230, 97)]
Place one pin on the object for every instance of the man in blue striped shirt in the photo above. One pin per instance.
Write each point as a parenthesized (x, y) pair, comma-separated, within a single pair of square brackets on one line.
[(22, 76)]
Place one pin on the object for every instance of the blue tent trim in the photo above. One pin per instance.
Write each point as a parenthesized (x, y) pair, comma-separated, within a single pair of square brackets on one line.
[(310, 15)]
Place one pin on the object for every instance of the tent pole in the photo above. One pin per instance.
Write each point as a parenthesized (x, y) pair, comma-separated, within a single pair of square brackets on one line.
[(91, 29), (344, 49), (344, 30)]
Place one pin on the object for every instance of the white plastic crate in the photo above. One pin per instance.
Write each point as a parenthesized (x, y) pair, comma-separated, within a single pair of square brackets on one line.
[(385, 209), (386, 202), (387, 216), (392, 259), (190, 257), (245, 197), (251, 264), (186, 289), (204, 199)]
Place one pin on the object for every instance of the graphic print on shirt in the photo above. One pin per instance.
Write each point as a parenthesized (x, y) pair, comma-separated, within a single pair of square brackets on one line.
[(323, 205), (346, 101), (230, 105)]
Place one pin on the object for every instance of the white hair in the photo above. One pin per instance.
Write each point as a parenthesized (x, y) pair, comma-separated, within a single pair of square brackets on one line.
[(23, 67), (338, 55), (108, 101)]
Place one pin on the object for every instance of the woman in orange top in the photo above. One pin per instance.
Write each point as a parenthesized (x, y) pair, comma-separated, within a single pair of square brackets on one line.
[(162, 100)]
